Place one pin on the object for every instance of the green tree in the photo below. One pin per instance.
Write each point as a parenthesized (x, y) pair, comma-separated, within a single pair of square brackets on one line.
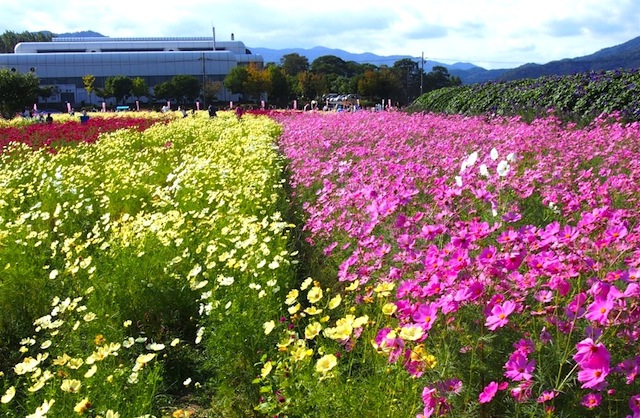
[(9, 39), (438, 78), (330, 65), (294, 63), (89, 82), (16, 92), (279, 90), (164, 90), (119, 87), (236, 79), (408, 73), (186, 88), (139, 88)]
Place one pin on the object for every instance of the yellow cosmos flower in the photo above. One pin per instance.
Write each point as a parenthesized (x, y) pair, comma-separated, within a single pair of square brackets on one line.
[(294, 309), (326, 363), (268, 327), (384, 289), (300, 353), (315, 294), (8, 395), (353, 285), (411, 332), (82, 406), (389, 308), (91, 371), (335, 302), (266, 369), (292, 296), (71, 385), (306, 283), (312, 330), (312, 310)]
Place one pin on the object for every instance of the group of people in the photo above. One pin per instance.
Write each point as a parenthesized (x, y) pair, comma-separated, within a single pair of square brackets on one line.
[(30, 114)]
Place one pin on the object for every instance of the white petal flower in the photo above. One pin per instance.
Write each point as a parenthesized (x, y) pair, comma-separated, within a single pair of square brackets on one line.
[(494, 154)]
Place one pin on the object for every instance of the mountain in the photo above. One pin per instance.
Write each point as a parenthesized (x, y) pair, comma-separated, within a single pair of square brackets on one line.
[(623, 56), (274, 55), (83, 34)]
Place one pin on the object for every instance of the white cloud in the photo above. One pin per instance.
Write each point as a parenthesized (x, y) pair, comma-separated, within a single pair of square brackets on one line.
[(491, 33)]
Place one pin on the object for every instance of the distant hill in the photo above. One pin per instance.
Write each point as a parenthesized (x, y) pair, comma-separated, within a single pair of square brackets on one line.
[(82, 34), (625, 56)]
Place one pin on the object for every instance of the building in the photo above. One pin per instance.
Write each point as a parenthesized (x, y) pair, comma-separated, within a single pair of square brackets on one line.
[(63, 62)]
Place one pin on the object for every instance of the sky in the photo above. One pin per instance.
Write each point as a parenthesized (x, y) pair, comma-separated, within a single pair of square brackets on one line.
[(487, 33)]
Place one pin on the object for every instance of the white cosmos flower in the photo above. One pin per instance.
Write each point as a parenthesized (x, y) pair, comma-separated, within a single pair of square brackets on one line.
[(484, 170), (494, 154), (503, 168)]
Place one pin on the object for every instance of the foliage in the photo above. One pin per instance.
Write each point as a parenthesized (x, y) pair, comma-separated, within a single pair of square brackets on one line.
[(118, 86), (578, 97), (17, 91), (9, 39)]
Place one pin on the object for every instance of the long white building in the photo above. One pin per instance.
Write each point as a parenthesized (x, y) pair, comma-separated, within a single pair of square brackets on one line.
[(63, 62)]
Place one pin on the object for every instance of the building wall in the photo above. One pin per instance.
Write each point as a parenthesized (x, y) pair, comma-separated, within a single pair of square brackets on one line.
[(64, 62)]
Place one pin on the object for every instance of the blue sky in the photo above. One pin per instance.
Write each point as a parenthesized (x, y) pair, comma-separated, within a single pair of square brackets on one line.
[(489, 33)]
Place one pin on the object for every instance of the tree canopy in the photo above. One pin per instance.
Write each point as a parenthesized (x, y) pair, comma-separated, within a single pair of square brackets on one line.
[(17, 91)]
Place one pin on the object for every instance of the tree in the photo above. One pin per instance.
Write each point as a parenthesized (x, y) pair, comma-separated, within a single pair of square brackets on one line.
[(186, 88), (330, 65), (211, 90), (119, 87), (236, 79), (164, 90), (279, 88), (258, 81), (294, 63), (9, 39), (438, 78), (409, 75), (16, 92), (89, 82), (139, 88), (380, 84)]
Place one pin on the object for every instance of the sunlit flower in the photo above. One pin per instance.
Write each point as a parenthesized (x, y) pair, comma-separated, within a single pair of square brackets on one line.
[(326, 363), (268, 327), (91, 371), (315, 294), (292, 296), (411, 332), (312, 330), (389, 308), (266, 369), (503, 168), (71, 385), (42, 410), (82, 406), (8, 395), (335, 301)]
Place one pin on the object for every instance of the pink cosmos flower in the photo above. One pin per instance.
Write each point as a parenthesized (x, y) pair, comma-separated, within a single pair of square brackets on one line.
[(426, 315), (519, 368), (488, 393), (599, 309), (634, 404), (593, 378), (591, 355), (591, 400), (499, 314)]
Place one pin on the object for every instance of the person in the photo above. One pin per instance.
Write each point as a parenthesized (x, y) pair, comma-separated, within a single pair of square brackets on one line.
[(184, 112), (212, 111), (239, 111), (49, 119), (84, 118)]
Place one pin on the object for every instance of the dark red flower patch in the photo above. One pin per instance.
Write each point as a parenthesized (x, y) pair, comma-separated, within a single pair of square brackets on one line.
[(55, 135)]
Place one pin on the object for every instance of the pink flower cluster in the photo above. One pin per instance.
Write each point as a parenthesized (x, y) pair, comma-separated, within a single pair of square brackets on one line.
[(534, 226)]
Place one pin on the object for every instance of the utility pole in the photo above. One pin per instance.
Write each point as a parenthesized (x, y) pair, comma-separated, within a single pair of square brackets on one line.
[(204, 81), (421, 73)]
